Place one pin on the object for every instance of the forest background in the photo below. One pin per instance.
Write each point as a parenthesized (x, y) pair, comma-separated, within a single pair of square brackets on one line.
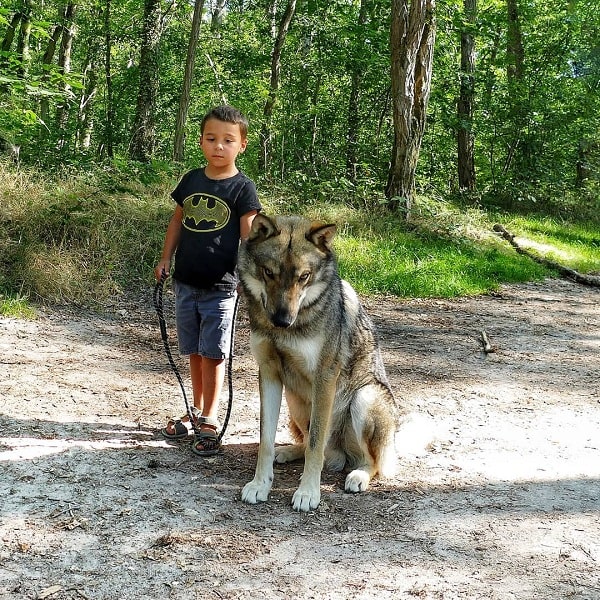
[(414, 125)]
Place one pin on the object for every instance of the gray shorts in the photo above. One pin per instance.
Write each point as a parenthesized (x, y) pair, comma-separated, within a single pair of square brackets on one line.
[(204, 320)]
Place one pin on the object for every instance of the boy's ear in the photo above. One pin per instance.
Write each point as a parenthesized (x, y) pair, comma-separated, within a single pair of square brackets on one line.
[(243, 144)]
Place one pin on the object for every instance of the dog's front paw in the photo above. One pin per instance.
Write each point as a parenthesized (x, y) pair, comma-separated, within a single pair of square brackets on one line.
[(255, 492), (357, 481), (305, 499)]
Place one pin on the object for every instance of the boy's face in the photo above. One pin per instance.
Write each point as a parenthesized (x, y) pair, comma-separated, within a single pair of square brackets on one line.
[(221, 142)]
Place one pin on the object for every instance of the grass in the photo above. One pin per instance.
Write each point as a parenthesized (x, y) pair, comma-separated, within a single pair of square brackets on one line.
[(16, 307), (576, 245), (412, 266), (81, 240)]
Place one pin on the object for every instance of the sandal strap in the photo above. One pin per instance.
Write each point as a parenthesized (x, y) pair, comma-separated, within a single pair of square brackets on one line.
[(195, 413), (207, 421)]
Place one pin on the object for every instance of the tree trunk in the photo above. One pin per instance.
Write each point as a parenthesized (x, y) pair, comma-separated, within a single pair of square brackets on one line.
[(85, 117), (47, 60), (354, 119), (110, 109), (218, 81), (515, 73), (412, 38), (216, 18), (186, 88), (23, 50), (64, 65), (144, 134), (11, 31), (466, 156), (86, 114), (266, 134)]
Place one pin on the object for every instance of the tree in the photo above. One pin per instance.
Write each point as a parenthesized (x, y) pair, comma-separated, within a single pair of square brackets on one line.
[(466, 156), (110, 110), (23, 49), (64, 68), (144, 134), (412, 36), (184, 99), (354, 100), (517, 93), (266, 134)]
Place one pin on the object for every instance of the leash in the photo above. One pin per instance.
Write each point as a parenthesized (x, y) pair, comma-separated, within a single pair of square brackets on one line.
[(158, 306)]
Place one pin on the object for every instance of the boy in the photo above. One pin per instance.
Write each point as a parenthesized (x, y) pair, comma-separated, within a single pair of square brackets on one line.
[(215, 208)]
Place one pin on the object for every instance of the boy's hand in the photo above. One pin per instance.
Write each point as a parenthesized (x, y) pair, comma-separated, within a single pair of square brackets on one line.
[(163, 266)]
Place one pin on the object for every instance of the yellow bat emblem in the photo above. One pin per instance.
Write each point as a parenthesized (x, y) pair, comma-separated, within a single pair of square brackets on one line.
[(196, 208)]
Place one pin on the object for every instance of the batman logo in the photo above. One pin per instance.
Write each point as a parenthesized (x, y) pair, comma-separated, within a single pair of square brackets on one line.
[(199, 216)]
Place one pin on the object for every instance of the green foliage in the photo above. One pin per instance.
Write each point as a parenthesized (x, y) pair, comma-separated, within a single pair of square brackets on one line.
[(327, 51), (84, 238), (17, 307), (78, 240), (79, 230)]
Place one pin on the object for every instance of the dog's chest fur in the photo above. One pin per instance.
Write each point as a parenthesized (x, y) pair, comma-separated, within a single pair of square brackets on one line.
[(294, 355)]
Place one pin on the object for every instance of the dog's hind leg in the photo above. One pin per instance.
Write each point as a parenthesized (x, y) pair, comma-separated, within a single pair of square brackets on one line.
[(374, 452), (290, 453), (271, 390), (299, 420), (359, 478)]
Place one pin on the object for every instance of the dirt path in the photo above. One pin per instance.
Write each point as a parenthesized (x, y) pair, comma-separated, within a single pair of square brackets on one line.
[(498, 496)]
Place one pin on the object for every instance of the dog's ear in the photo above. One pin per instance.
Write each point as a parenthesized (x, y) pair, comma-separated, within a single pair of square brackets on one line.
[(321, 234), (262, 229)]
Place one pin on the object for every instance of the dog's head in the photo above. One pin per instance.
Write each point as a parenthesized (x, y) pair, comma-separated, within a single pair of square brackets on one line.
[(287, 263)]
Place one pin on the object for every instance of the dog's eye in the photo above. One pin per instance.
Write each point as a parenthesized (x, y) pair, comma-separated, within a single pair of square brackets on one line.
[(304, 277), (268, 273)]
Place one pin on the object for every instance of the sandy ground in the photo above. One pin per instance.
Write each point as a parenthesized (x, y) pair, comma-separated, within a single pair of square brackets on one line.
[(498, 496)]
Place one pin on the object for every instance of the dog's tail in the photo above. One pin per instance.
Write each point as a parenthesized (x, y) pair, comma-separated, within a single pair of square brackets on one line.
[(387, 462)]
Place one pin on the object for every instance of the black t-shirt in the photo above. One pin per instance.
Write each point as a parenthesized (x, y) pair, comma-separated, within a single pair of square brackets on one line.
[(210, 230)]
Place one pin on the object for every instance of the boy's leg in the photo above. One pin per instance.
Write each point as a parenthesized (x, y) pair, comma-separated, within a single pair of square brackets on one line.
[(216, 312), (213, 376), (196, 364), (206, 441), (208, 376)]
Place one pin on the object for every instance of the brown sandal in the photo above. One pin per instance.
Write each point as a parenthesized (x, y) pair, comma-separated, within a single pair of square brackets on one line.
[(181, 428), (206, 442)]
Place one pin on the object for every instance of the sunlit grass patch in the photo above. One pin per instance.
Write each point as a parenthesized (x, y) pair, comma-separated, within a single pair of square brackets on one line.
[(574, 245), (17, 307), (410, 266)]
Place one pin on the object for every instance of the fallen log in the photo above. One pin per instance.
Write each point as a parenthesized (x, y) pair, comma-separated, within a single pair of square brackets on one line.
[(576, 276)]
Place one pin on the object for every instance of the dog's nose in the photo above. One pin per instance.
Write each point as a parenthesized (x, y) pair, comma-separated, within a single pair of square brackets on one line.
[(282, 318)]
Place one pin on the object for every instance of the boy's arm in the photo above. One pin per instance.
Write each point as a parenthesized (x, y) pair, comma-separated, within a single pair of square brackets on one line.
[(246, 223), (170, 244)]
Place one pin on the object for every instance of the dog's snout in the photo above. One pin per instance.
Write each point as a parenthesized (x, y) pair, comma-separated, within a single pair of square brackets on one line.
[(282, 318)]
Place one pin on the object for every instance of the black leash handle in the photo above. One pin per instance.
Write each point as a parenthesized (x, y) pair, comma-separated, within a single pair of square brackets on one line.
[(158, 306)]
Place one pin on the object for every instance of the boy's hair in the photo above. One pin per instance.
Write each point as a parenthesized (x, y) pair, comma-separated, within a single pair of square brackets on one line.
[(229, 114)]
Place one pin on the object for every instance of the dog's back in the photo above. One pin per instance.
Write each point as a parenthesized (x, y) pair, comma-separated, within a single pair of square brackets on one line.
[(311, 334)]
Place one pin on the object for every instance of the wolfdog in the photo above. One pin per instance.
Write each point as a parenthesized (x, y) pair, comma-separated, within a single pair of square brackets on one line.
[(311, 336)]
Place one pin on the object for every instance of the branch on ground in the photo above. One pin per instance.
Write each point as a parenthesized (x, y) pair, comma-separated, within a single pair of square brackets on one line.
[(564, 271)]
